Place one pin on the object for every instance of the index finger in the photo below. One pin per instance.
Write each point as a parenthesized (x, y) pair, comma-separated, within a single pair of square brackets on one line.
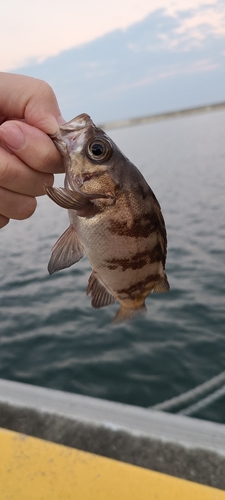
[(28, 98)]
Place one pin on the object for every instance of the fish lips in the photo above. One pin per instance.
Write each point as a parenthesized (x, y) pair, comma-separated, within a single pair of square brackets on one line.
[(72, 135)]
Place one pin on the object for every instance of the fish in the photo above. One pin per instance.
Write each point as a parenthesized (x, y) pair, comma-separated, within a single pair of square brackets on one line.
[(115, 220)]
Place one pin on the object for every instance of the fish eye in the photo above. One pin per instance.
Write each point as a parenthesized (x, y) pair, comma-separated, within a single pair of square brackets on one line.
[(99, 150)]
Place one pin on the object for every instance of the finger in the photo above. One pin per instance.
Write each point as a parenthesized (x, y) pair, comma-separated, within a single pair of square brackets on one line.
[(32, 146), (19, 178), (2, 119), (25, 97), (16, 206), (3, 221)]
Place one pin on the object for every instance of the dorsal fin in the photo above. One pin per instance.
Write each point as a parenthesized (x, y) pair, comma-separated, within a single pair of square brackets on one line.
[(66, 251), (100, 296)]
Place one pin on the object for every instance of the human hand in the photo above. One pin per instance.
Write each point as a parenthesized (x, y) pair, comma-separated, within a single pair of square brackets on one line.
[(28, 157)]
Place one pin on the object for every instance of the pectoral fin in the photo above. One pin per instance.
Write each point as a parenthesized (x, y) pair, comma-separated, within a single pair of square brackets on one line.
[(100, 297), (66, 251), (72, 200)]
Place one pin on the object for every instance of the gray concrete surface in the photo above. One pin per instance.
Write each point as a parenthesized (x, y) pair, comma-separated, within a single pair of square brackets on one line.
[(184, 447)]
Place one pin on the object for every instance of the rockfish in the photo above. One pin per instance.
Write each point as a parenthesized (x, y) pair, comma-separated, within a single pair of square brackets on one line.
[(115, 219)]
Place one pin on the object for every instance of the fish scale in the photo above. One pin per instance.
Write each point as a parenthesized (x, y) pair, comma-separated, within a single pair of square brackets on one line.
[(115, 219)]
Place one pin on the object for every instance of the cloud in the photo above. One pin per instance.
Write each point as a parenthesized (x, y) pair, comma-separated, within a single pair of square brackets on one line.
[(198, 24), (182, 30), (199, 66), (37, 30)]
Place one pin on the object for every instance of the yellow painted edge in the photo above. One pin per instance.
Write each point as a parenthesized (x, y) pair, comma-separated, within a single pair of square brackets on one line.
[(34, 469)]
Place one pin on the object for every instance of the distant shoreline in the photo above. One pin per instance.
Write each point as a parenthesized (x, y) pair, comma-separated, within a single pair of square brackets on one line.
[(130, 122)]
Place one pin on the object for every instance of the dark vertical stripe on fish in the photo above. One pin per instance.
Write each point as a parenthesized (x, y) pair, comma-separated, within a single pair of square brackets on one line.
[(141, 226), (140, 285), (137, 261)]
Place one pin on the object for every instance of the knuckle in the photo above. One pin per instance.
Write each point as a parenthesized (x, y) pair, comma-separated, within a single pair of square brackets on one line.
[(48, 160), (6, 172), (44, 89), (10, 170)]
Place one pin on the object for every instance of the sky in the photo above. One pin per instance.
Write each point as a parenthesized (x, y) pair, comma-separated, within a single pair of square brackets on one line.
[(32, 31)]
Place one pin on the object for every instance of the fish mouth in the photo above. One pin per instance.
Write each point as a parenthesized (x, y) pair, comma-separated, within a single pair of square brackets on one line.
[(77, 124), (72, 135)]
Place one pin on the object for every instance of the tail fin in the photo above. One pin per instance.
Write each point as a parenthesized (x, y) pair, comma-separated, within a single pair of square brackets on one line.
[(162, 286), (125, 314)]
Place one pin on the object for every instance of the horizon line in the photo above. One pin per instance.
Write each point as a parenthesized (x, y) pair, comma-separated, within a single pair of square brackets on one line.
[(140, 120)]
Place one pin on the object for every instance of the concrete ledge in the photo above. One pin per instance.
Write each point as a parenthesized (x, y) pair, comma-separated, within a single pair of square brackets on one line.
[(177, 445)]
